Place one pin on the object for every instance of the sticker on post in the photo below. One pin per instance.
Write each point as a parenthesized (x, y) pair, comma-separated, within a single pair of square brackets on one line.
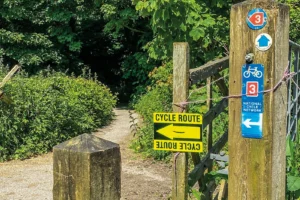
[(252, 88), (257, 19), (263, 42), (252, 125), (252, 100)]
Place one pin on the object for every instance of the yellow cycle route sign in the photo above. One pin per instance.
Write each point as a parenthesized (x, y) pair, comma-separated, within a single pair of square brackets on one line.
[(179, 132)]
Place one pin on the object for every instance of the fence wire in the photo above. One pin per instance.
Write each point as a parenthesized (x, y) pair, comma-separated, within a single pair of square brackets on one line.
[(293, 107)]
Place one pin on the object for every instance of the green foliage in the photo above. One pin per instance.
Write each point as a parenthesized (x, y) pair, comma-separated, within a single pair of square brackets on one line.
[(159, 99), (136, 68), (208, 177), (121, 16), (293, 183), (162, 76), (294, 19), (157, 24), (48, 109), (204, 24), (124, 25), (44, 32), (198, 195), (293, 168)]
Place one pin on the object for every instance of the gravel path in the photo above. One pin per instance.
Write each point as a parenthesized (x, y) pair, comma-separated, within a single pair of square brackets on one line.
[(142, 179)]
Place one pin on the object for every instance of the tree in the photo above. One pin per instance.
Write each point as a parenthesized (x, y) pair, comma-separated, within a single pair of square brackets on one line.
[(36, 33), (204, 24), (294, 19)]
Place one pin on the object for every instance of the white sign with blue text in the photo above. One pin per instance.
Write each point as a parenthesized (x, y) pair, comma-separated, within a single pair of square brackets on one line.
[(252, 100)]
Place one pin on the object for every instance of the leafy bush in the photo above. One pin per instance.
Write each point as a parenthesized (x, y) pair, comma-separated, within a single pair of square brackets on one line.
[(48, 109), (158, 99), (293, 168)]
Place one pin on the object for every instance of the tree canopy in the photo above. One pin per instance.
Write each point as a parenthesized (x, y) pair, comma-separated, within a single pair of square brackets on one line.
[(117, 38), (44, 32)]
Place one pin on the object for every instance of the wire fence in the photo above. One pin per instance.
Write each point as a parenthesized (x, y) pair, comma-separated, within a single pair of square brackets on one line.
[(293, 106)]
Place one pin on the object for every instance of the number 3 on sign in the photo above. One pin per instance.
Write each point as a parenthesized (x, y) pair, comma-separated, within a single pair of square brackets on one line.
[(252, 89), (258, 18)]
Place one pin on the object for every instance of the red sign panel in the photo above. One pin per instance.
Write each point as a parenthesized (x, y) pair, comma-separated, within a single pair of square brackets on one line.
[(252, 89)]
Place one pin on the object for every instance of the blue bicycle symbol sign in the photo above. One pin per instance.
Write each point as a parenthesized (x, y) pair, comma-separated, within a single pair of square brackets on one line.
[(256, 73)]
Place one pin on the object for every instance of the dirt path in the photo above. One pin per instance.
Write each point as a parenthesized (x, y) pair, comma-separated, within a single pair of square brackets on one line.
[(141, 179)]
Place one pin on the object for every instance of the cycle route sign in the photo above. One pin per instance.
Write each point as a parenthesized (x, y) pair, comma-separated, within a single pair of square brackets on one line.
[(257, 18), (252, 100), (180, 132)]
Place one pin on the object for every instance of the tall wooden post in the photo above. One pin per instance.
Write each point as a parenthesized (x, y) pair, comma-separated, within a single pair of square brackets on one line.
[(181, 59), (257, 166)]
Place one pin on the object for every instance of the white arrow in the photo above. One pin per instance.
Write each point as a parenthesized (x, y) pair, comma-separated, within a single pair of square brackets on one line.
[(248, 122)]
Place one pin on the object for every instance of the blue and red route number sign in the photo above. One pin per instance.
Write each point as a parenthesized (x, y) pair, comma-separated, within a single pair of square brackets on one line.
[(257, 19), (252, 101), (252, 88)]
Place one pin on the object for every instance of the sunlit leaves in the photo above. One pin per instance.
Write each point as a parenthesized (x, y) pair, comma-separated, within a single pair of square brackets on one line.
[(197, 33), (193, 21)]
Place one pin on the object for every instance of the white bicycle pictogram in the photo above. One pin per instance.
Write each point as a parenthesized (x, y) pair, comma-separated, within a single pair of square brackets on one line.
[(256, 73)]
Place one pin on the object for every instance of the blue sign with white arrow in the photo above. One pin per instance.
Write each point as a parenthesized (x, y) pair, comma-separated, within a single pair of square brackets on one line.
[(252, 100), (252, 125), (263, 42)]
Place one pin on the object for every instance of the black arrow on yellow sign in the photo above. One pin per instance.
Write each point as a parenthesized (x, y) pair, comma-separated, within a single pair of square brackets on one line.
[(186, 132)]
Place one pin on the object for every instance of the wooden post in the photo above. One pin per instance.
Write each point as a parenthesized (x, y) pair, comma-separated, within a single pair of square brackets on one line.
[(3, 97), (209, 135), (209, 105), (181, 59), (86, 168), (257, 166)]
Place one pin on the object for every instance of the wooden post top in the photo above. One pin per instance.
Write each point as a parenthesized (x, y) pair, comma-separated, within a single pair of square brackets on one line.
[(87, 143)]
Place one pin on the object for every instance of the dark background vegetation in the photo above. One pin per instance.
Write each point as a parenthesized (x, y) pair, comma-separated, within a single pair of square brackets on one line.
[(121, 40)]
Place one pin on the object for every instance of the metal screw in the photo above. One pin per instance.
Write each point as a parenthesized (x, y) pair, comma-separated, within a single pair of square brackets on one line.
[(249, 58)]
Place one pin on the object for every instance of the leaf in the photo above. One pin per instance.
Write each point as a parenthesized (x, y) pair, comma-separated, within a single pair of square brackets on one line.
[(293, 183), (165, 14), (196, 194), (183, 27), (197, 33), (297, 194), (290, 148)]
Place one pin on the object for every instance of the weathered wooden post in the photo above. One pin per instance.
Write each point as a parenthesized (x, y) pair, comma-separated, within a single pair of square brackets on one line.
[(257, 166), (87, 168), (181, 61), (3, 97)]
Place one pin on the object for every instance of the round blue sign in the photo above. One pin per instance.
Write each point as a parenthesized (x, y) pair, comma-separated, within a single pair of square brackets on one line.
[(257, 19)]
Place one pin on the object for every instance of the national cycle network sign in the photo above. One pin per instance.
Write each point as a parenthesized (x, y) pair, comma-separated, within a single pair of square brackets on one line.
[(252, 100)]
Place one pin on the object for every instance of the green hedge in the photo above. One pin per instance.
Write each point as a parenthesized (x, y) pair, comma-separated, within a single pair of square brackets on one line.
[(158, 99), (48, 109)]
